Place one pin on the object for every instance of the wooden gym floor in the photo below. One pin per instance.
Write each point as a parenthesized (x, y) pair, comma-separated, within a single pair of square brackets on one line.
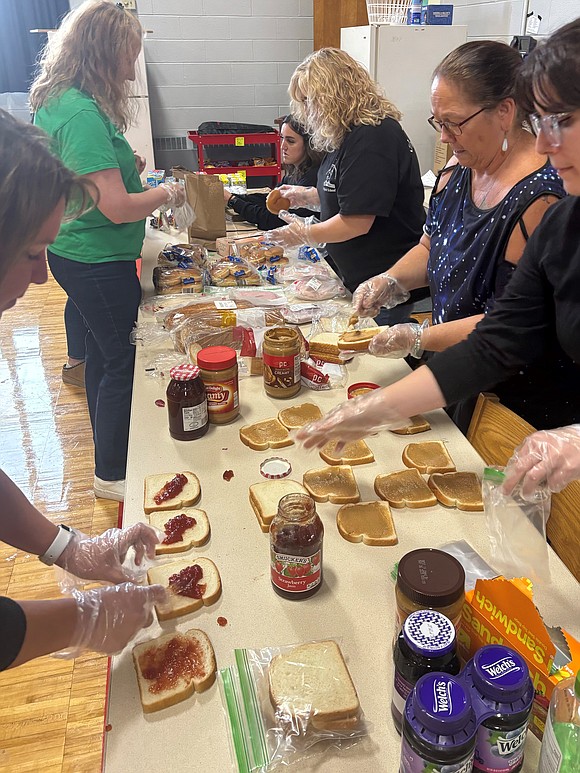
[(51, 711)]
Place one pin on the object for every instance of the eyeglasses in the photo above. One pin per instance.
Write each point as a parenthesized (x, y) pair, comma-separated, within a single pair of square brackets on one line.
[(550, 126), (453, 128)]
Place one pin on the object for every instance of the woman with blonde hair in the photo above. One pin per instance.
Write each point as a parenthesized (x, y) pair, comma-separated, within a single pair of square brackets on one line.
[(369, 189), (81, 99)]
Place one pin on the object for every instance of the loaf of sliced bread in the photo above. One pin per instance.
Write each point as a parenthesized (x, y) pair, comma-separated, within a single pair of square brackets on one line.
[(269, 433), (175, 576), (457, 489), (160, 683), (368, 522), (196, 534), (356, 452), (416, 424), (324, 346), (404, 489), (313, 682), (298, 415), (428, 457), (335, 483), (171, 491), (264, 498)]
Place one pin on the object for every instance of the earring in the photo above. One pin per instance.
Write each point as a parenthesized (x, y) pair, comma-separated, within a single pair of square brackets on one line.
[(504, 144)]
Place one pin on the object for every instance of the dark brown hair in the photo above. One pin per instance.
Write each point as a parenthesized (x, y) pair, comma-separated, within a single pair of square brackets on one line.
[(550, 76), (313, 158)]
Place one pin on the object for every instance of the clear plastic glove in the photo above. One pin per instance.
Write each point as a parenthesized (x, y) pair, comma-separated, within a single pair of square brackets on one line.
[(352, 420), (108, 618), (400, 341), (175, 195), (184, 216), (301, 196), (549, 456), (298, 231), (102, 557), (380, 290)]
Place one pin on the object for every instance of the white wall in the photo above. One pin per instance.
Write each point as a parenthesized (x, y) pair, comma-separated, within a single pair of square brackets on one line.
[(502, 19)]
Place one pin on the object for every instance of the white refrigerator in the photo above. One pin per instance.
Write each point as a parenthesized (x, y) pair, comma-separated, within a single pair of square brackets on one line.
[(402, 59), (139, 134)]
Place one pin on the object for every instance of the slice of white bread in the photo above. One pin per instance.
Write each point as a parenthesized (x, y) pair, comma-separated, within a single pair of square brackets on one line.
[(335, 483), (210, 586), (312, 680), (298, 415), (269, 433), (264, 498), (154, 484), (356, 452), (368, 522), (457, 489), (324, 346), (429, 456), (358, 340), (417, 424), (192, 537), (404, 489), (159, 684)]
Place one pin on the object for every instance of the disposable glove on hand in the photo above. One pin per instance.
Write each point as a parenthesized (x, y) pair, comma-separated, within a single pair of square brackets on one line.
[(550, 456), (301, 196), (175, 195), (298, 231), (108, 618), (399, 341), (381, 290), (101, 557), (351, 420)]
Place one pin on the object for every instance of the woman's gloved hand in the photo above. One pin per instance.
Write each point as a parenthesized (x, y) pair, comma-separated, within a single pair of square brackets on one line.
[(400, 340), (297, 232), (550, 456), (108, 618), (175, 195), (301, 196), (381, 290), (351, 420), (101, 558)]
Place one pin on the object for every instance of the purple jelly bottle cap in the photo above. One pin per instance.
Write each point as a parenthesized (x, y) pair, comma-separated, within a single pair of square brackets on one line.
[(441, 704), (500, 674), (429, 633)]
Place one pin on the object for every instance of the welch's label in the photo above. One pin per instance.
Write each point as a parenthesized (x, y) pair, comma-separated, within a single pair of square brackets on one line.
[(442, 698), (500, 668)]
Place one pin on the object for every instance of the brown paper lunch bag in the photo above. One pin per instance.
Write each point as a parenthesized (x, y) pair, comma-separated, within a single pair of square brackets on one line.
[(205, 194)]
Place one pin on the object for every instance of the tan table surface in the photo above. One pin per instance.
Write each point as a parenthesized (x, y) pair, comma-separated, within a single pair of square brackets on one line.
[(355, 605)]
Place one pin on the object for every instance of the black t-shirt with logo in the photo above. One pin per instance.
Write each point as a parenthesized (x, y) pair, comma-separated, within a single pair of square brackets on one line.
[(374, 172)]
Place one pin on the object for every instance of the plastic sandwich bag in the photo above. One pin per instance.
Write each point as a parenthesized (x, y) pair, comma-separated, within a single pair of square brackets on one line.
[(517, 528), (266, 737)]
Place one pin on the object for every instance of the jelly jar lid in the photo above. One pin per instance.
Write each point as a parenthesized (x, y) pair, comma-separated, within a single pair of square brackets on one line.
[(429, 633), (216, 357), (431, 577), (500, 674), (441, 704), (184, 372)]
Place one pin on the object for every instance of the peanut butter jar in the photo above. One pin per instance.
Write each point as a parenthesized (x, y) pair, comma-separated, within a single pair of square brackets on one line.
[(281, 353), (219, 373)]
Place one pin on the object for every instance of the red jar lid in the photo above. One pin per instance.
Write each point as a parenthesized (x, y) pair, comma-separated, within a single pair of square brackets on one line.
[(184, 372), (216, 357)]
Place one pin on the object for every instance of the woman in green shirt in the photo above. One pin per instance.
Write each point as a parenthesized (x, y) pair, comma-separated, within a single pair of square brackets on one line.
[(81, 99)]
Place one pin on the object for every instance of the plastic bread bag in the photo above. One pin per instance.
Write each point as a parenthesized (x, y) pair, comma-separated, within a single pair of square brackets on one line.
[(183, 255), (259, 253), (297, 271), (233, 272), (318, 375), (149, 335), (271, 724), (319, 288), (517, 528), (169, 280), (306, 311)]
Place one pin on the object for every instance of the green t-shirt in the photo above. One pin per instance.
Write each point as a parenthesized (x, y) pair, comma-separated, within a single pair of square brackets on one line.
[(87, 141)]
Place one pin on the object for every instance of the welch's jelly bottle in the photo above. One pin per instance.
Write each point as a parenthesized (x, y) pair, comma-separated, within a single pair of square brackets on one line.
[(501, 691), (426, 644), (439, 727)]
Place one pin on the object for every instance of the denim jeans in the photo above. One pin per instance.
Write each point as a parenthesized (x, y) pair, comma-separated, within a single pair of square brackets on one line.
[(76, 331), (107, 295)]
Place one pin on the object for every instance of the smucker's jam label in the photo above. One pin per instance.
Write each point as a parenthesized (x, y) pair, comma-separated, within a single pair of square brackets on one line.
[(295, 574)]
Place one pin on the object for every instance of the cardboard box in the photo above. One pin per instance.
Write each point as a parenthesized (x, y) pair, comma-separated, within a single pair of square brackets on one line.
[(501, 611), (443, 153), (439, 14)]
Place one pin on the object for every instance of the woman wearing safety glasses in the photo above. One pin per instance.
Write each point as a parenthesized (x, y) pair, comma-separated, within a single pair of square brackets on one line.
[(486, 203), (539, 311)]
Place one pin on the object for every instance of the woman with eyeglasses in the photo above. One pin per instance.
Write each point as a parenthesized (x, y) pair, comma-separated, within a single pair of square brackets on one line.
[(485, 205), (539, 311)]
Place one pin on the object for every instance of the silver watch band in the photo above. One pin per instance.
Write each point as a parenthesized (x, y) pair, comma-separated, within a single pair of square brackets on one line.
[(59, 543)]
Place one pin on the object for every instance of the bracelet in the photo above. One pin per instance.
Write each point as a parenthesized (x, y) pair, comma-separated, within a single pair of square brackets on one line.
[(57, 546), (417, 350)]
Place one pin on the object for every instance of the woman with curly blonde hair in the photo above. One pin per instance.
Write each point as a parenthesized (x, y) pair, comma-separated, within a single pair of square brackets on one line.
[(369, 189), (81, 99)]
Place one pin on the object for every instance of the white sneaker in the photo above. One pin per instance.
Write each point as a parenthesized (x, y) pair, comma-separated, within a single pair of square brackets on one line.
[(109, 489)]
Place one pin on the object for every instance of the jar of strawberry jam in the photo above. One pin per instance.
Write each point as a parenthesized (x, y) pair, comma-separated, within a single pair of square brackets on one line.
[(186, 403), (296, 548)]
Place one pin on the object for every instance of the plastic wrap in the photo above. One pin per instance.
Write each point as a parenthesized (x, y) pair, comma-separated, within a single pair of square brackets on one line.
[(263, 738), (183, 255), (318, 288), (169, 280), (233, 272)]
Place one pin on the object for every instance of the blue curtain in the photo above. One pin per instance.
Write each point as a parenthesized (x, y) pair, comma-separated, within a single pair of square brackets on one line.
[(19, 48)]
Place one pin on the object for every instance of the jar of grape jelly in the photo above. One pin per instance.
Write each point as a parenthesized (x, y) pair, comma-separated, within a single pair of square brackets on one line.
[(186, 403), (296, 548)]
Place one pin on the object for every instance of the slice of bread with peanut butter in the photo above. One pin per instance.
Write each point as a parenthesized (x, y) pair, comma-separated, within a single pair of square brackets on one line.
[(429, 456), (406, 488), (356, 452), (262, 435), (368, 522), (457, 489), (335, 483)]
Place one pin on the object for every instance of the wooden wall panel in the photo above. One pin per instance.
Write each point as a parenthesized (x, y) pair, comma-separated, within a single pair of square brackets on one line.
[(331, 15)]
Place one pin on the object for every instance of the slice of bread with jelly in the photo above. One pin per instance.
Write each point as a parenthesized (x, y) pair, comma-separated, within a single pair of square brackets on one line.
[(183, 530), (171, 491), (269, 433), (457, 489), (429, 456), (406, 488), (335, 483), (356, 452), (368, 522), (191, 583)]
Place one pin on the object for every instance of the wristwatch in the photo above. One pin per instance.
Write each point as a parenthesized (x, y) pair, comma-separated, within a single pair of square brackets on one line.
[(59, 543), (231, 198)]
